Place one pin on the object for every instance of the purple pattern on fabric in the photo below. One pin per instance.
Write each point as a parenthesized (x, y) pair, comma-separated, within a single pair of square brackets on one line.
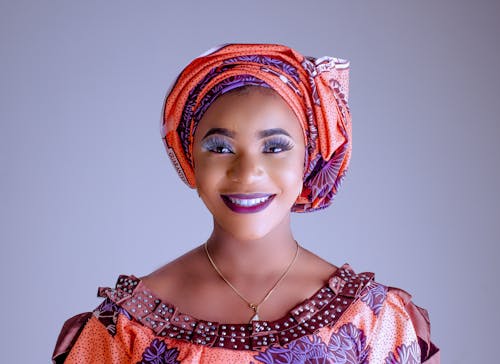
[(284, 79), (107, 313), (340, 97), (375, 296), (326, 174), (312, 166), (187, 113), (312, 132), (407, 354), (158, 353), (185, 129), (347, 346), (307, 349), (268, 61), (312, 72), (221, 88)]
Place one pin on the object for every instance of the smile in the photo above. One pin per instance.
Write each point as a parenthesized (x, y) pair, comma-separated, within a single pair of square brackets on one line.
[(247, 203)]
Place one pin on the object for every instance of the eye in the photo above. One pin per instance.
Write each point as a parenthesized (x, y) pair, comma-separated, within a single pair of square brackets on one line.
[(217, 145), (277, 145)]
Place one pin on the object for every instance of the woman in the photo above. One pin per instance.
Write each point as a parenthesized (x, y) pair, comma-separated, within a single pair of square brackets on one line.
[(259, 131)]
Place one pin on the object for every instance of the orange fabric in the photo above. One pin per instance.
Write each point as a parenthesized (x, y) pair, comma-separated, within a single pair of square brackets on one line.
[(96, 345), (315, 89), (421, 322), (381, 326), (384, 333), (69, 334)]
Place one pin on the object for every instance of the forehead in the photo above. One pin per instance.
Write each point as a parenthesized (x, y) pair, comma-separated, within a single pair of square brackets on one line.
[(248, 109)]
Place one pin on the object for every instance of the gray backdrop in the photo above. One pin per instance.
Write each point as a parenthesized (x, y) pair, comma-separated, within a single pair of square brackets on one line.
[(88, 191)]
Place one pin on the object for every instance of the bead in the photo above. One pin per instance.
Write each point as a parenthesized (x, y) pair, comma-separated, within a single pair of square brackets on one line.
[(321, 310)]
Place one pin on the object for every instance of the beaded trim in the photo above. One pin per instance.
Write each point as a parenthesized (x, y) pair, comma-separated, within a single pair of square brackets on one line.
[(324, 308)]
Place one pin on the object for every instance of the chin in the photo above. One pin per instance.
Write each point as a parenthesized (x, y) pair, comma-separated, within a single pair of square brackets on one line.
[(248, 232)]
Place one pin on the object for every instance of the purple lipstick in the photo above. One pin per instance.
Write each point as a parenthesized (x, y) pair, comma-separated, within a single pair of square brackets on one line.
[(247, 203)]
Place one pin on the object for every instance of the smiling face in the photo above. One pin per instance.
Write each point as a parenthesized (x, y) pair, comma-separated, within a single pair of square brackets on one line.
[(248, 161)]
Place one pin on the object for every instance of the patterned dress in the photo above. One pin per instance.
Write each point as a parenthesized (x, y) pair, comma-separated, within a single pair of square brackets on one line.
[(351, 319)]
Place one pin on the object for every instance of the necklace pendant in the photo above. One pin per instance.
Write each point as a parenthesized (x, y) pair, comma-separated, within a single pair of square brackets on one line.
[(254, 318), (254, 307)]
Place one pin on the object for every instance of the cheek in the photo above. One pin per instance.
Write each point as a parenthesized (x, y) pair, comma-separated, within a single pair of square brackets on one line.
[(208, 173), (288, 172)]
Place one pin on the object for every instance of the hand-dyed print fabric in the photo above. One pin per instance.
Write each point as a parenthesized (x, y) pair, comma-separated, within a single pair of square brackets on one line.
[(350, 320), (315, 89)]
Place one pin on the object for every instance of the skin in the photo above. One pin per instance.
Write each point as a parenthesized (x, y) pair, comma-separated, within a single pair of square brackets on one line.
[(251, 249)]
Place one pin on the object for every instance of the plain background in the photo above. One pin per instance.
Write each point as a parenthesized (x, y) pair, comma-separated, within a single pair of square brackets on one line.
[(88, 192)]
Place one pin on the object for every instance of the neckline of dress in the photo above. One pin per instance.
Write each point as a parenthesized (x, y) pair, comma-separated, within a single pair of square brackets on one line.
[(337, 272), (322, 309)]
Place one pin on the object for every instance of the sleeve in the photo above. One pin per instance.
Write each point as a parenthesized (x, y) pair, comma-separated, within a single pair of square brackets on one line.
[(91, 338), (68, 335), (419, 317), (402, 332)]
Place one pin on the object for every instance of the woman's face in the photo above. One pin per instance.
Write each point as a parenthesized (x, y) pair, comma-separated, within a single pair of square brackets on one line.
[(248, 161)]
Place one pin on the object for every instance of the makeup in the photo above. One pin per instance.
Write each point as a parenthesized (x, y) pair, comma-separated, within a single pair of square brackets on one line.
[(247, 203)]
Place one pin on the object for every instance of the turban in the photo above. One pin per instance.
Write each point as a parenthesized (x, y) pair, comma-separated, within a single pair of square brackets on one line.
[(316, 89)]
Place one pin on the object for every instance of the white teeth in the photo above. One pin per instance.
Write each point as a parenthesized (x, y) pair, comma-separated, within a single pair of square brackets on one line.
[(248, 201)]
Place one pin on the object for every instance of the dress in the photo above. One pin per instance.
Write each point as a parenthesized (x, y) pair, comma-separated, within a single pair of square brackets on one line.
[(351, 319)]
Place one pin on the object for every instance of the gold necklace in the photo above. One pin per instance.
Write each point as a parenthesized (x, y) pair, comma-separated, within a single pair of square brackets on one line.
[(253, 306)]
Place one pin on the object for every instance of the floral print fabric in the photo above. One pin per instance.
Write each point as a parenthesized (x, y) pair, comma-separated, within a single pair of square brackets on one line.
[(347, 346), (379, 327), (159, 353)]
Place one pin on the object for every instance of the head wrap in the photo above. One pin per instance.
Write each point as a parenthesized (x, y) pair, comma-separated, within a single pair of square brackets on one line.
[(315, 89)]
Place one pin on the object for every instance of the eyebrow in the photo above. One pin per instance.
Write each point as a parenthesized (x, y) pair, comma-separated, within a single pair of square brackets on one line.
[(222, 131), (270, 132), (261, 134)]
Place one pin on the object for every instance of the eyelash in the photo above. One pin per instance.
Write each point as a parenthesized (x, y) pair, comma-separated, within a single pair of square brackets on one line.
[(216, 145), (281, 143)]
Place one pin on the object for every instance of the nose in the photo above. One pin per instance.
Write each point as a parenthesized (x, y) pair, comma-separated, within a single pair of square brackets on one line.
[(246, 169)]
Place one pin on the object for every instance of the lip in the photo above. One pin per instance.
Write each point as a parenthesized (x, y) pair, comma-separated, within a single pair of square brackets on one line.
[(247, 209), (247, 195)]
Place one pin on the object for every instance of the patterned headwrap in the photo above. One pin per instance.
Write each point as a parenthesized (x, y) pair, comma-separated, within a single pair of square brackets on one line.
[(315, 89)]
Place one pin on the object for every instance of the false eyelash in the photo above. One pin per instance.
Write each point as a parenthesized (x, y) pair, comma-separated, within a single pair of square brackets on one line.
[(213, 144), (282, 143)]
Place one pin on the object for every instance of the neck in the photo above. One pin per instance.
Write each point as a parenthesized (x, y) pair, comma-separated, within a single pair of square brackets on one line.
[(269, 254)]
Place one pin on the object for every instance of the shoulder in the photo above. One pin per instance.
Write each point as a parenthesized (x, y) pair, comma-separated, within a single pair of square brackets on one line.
[(173, 276), (104, 334), (68, 335), (100, 323), (388, 316)]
